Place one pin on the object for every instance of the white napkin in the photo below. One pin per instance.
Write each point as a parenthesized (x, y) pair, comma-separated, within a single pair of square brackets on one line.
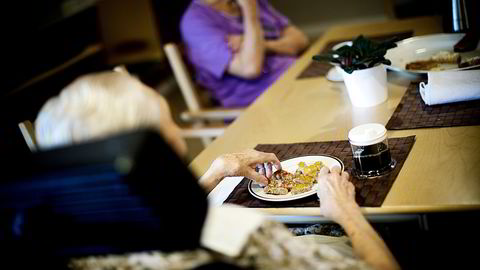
[(451, 86), (227, 228)]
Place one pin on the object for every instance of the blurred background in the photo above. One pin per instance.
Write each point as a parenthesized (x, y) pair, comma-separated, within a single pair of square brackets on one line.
[(46, 44)]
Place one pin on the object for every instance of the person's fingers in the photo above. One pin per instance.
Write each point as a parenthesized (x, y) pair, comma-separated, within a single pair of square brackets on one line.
[(262, 157), (278, 166), (235, 47), (346, 186), (253, 175), (268, 170), (319, 190), (233, 44), (322, 174), (336, 169), (261, 169), (345, 175), (351, 189), (322, 180), (323, 171)]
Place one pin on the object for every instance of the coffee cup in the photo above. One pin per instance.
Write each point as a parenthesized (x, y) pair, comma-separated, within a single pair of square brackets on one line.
[(371, 154)]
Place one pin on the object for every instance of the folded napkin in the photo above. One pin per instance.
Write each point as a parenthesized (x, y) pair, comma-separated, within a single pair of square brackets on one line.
[(228, 228), (450, 86)]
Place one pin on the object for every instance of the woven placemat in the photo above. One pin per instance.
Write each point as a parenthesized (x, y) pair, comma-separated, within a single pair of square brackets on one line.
[(369, 192), (316, 69), (412, 112)]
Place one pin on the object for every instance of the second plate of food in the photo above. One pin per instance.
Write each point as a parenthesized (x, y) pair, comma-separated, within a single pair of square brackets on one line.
[(427, 53), (291, 166)]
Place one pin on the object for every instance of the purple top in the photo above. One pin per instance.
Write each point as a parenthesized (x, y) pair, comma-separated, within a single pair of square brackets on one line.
[(204, 32)]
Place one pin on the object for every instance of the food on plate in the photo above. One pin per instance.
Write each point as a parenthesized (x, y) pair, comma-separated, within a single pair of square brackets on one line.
[(447, 57), (283, 175), (434, 63), (280, 183), (470, 62), (310, 170), (423, 65), (275, 190), (301, 188), (283, 182)]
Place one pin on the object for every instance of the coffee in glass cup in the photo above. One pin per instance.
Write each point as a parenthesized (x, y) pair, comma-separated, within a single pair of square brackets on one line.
[(371, 154)]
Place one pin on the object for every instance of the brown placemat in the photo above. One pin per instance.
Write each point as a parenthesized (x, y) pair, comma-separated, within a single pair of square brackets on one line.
[(369, 192), (412, 112), (316, 69)]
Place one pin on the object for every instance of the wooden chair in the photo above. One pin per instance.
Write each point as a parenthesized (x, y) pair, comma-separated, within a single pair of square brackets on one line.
[(28, 133), (205, 122)]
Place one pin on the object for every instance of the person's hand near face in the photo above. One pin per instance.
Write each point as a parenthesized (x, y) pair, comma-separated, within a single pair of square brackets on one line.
[(292, 41), (255, 165), (235, 42)]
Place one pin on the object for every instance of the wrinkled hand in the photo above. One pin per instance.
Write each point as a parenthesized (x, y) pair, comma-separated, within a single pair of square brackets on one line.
[(336, 193), (245, 163), (235, 42)]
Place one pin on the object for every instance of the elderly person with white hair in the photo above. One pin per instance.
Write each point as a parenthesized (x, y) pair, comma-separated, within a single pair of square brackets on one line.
[(98, 105), (103, 104)]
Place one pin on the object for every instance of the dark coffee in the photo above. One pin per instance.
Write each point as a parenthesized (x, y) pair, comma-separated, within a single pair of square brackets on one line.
[(372, 159)]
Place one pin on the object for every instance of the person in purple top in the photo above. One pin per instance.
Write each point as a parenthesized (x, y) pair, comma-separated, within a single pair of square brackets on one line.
[(238, 47)]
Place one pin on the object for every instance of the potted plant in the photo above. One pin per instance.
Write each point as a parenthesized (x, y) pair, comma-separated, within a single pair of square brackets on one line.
[(363, 69)]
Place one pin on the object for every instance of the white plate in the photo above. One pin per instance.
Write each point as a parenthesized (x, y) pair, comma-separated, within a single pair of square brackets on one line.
[(424, 47), (291, 166)]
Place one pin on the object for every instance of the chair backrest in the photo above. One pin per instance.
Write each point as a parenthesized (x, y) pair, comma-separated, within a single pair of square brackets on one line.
[(184, 80), (110, 195), (28, 133)]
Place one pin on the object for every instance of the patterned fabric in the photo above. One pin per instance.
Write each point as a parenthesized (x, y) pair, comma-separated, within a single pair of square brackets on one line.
[(272, 246), (412, 112), (369, 192), (317, 69), (334, 230)]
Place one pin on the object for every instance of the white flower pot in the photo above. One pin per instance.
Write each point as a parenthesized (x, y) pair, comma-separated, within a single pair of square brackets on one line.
[(367, 87)]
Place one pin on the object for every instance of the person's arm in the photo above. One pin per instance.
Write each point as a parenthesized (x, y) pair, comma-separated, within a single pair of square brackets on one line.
[(337, 201), (212, 176), (248, 61), (366, 242), (291, 42), (240, 164)]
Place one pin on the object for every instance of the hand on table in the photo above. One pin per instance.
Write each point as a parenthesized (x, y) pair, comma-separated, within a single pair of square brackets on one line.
[(336, 193), (244, 164), (337, 201)]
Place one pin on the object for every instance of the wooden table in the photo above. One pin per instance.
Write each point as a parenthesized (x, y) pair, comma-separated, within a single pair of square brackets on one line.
[(442, 171)]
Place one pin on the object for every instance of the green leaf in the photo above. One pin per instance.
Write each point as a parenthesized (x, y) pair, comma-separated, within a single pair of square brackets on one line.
[(363, 53)]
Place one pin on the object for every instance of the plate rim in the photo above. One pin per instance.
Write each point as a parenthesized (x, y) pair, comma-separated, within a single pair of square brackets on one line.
[(416, 38), (301, 195)]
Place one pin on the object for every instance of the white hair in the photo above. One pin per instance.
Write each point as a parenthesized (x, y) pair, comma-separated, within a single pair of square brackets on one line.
[(98, 105)]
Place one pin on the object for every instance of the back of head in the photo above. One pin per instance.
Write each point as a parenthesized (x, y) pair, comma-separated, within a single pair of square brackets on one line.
[(98, 105)]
